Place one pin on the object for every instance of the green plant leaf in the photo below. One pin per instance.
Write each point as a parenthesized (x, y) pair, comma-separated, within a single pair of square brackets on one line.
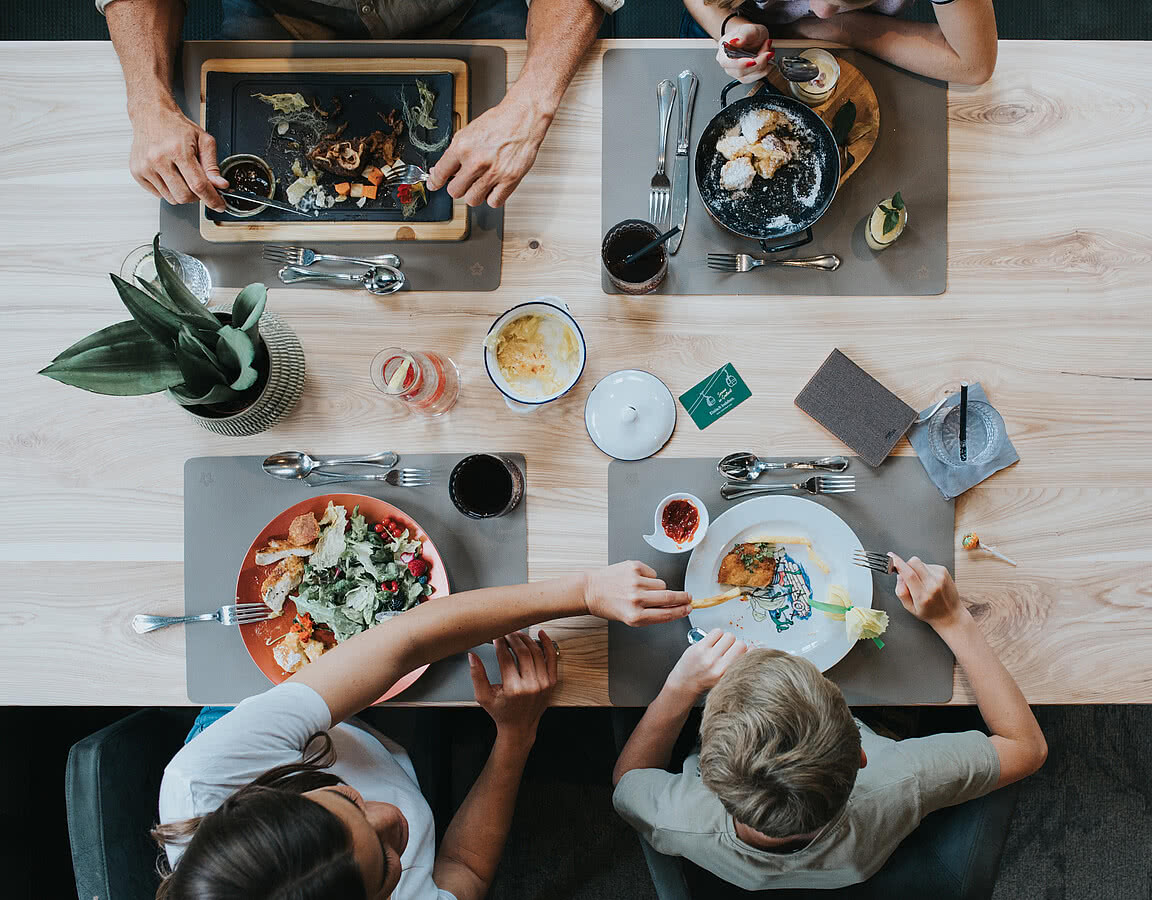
[(185, 301), (122, 368), (113, 334), (189, 342), (897, 200), (218, 393), (843, 121), (200, 367), (248, 307), (155, 290), (158, 321), (237, 353)]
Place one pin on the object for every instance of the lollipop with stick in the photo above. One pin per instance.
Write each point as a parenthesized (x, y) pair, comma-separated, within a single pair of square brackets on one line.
[(971, 541)]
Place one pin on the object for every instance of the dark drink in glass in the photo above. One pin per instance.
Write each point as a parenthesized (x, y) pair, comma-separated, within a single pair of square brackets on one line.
[(645, 274), (486, 485)]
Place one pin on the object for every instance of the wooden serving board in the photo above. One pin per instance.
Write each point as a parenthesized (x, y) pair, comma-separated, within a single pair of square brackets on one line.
[(240, 230), (852, 85)]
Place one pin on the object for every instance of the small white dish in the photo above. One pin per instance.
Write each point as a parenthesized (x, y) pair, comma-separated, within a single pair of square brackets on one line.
[(659, 539)]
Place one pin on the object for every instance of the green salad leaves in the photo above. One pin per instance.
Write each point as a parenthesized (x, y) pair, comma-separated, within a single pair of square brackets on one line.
[(357, 578)]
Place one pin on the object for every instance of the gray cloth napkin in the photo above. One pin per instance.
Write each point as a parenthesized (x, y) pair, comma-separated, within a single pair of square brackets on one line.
[(954, 481)]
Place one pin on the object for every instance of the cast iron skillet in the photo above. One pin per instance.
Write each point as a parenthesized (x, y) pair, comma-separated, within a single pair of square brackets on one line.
[(785, 205)]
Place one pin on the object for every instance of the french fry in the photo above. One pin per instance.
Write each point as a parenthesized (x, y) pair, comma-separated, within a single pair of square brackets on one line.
[(705, 602)]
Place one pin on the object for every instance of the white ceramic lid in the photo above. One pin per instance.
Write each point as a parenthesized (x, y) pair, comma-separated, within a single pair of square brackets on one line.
[(630, 414)]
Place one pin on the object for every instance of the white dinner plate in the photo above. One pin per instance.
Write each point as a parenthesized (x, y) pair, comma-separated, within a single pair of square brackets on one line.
[(816, 636)]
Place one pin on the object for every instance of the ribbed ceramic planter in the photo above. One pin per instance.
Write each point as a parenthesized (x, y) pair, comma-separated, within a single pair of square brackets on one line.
[(283, 388)]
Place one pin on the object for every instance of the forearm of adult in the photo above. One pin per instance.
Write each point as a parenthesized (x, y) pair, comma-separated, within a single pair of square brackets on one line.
[(145, 34), (711, 18), (960, 48), (651, 743), (470, 852), (559, 34), (1016, 734), (353, 675)]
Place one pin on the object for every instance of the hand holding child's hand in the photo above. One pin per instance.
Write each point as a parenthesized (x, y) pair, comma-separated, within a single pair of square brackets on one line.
[(928, 592), (705, 662), (750, 37)]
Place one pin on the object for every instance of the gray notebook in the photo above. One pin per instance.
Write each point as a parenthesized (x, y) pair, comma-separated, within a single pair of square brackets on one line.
[(856, 408)]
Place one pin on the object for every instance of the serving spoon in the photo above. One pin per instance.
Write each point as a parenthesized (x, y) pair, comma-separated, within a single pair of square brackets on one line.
[(294, 464)]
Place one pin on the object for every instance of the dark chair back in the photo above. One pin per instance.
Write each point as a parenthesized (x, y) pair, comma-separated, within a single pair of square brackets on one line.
[(112, 784)]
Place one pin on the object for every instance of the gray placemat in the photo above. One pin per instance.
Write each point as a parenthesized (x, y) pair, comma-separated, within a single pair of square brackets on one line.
[(911, 155), (896, 507), (229, 499), (472, 264)]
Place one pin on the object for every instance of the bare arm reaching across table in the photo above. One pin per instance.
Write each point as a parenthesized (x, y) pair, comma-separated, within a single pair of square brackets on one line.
[(358, 671), (960, 47), (489, 157), (172, 157)]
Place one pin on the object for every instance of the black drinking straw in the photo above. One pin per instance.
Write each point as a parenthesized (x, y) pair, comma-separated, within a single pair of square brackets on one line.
[(963, 421), (648, 248)]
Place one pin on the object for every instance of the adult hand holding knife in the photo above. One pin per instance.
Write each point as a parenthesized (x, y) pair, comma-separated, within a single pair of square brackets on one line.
[(683, 162)]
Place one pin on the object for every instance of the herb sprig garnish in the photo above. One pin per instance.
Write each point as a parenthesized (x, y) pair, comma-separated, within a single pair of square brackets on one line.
[(892, 213), (760, 553)]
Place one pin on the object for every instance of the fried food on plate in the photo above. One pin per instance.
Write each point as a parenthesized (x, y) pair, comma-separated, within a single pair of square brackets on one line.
[(281, 581), (750, 564)]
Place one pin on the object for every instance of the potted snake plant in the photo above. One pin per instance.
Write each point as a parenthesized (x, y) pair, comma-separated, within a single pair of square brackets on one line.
[(236, 372)]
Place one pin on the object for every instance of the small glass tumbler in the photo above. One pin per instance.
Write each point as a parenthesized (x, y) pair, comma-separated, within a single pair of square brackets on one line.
[(984, 436), (140, 264), (645, 274), (425, 381), (486, 485)]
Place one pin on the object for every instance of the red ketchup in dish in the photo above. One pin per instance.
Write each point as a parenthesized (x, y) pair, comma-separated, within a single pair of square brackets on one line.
[(680, 520)]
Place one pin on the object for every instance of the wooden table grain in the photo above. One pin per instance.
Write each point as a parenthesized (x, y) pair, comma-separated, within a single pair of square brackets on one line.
[(1049, 279)]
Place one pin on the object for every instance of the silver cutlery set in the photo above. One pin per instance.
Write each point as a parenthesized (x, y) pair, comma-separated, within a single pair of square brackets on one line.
[(668, 196), (381, 274), (295, 465)]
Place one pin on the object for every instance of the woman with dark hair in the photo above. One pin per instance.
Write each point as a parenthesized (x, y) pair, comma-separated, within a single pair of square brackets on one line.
[(279, 799)]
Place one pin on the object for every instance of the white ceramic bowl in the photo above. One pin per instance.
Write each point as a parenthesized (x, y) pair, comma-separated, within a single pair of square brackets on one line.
[(659, 540), (545, 306)]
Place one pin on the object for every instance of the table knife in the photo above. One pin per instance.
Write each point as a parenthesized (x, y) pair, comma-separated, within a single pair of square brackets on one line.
[(688, 82)]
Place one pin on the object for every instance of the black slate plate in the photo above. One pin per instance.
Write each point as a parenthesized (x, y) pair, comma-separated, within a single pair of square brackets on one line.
[(240, 123)]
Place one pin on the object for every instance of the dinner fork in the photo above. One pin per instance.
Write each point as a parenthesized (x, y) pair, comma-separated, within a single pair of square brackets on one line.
[(302, 256), (235, 614), (870, 559), (660, 194), (394, 477), (817, 484), (742, 262), (404, 173)]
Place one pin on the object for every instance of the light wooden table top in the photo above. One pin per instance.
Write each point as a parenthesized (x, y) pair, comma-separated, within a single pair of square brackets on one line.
[(1050, 275)]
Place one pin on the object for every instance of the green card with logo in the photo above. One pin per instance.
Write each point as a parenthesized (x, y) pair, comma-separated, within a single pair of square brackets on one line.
[(716, 395)]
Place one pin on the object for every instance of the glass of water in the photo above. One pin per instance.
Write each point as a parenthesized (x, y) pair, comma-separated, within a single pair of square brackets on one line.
[(985, 434), (140, 264)]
